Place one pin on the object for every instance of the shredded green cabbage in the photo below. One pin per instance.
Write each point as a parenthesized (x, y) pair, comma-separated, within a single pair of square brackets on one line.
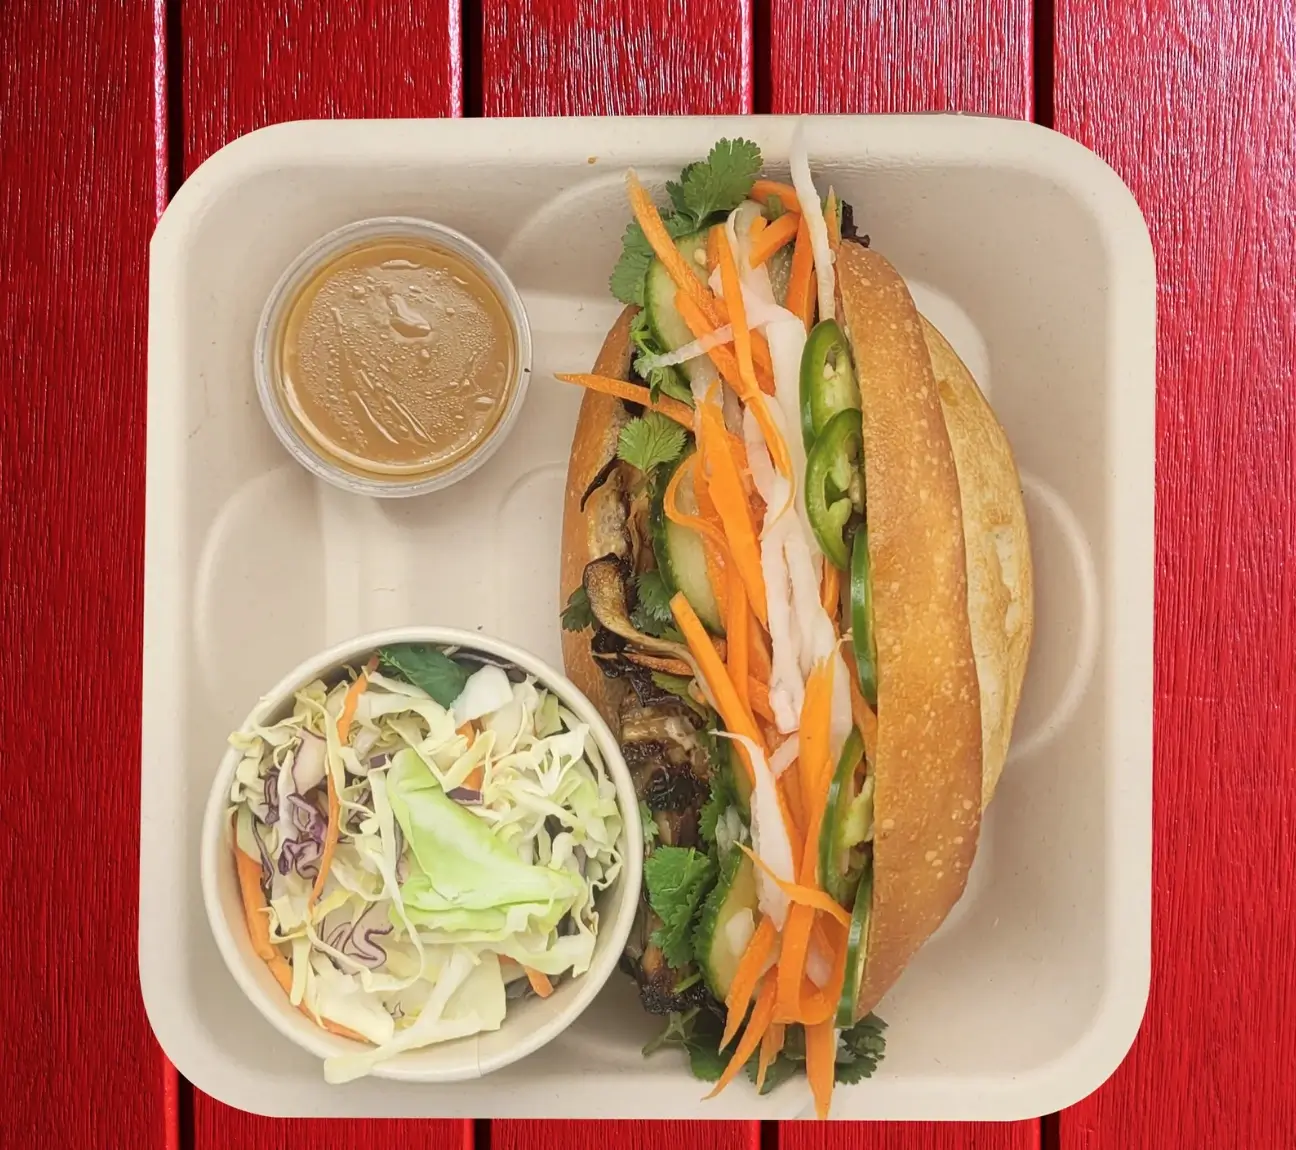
[(432, 883)]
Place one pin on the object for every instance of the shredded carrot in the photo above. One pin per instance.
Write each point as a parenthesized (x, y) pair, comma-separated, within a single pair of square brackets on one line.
[(761, 1015), (739, 637), (249, 876), (724, 479), (830, 594), (815, 766), (733, 297), (800, 291), (792, 962), (334, 827), (750, 968), (763, 189), (758, 225), (713, 255), (864, 718), (818, 1004), (790, 797), (771, 1046), (831, 222), (780, 233), (821, 1059), (714, 546), (758, 693), (720, 355), (539, 982), (801, 894), (681, 413), (659, 239), (737, 719), (474, 779), (761, 661)]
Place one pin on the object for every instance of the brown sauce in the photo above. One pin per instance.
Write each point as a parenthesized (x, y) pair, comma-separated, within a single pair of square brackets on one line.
[(397, 358)]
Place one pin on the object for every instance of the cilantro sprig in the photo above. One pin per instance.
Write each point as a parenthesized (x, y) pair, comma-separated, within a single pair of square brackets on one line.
[(704, 190), (578, 614), (678, 878), (651, 440), (660, 380)]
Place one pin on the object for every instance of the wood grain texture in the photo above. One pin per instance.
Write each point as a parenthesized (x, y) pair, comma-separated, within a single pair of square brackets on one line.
[(625, 1136), (841, 56), (589, 57), (564, 57), (1193, 104), (834, 56), (248, 64), (245, 65), (76, 211)]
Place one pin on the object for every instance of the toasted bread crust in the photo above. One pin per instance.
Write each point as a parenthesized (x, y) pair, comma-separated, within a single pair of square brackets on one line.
[(927, 797), (584, 531)]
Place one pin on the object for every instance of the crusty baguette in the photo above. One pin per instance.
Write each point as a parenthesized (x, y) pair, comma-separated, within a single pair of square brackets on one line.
[(927, 797), (585, 532), (1001, 590)]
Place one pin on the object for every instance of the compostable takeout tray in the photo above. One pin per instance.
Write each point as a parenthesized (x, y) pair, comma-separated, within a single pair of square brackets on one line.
[(1031, 256)]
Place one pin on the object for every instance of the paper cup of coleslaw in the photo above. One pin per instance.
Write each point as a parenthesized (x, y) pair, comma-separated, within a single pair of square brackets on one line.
[(421, 855)]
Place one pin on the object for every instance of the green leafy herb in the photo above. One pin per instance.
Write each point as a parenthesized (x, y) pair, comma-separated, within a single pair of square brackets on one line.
[(697, 1032), (678, 686), (654, 596), (649, 824), (722, 795), (426, 667), (650, 440), (777, 1073), (678, 879), (660, 380), (860, 1049), (679, 1026), (627, 282), (577, 615), (719, 184)]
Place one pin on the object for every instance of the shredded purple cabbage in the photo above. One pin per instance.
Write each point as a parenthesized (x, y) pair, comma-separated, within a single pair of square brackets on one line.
[(465, 796), (307, 819), (356, 939), (302, 856), (270, 797)]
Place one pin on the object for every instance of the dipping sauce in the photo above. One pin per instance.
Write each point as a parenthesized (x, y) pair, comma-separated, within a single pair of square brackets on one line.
[(396, 358)]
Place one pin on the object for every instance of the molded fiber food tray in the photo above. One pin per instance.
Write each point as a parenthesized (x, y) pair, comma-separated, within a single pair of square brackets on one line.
[(1031, 256)]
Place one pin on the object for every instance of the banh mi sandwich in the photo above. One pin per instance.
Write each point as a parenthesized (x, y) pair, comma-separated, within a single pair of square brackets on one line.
[(798, 585)]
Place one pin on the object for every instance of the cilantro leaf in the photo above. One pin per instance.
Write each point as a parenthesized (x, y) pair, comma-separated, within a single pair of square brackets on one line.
[(649, 824), (627, 282), (722, 795), (577, 615), (677, 879), (654, 596), (650, 440), (678, 686), (860, 1049), (778, 1071), (426, 667), (660, 380), (719, 184)]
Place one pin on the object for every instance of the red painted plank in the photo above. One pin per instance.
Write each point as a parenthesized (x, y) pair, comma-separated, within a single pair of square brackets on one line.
[(1193, 104), (249, 64), (616, 57), (76, 212), (929, 55), (921, 56), (246, 65), (625, 1136), (560, 57)]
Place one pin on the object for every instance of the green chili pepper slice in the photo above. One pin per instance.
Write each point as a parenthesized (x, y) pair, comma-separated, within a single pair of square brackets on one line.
[(827, 380), (834, 491), (861, 618)]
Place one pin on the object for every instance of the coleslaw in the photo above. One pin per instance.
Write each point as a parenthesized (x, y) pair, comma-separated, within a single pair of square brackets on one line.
[(419, 843)]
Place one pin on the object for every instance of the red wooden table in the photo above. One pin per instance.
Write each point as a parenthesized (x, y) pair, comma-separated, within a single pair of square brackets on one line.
[(106, 106)]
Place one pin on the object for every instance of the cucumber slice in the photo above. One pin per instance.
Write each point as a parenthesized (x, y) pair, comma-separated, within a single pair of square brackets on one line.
[(733, 895), (681, 558), (856, 950), (659, 297), (838, 871)]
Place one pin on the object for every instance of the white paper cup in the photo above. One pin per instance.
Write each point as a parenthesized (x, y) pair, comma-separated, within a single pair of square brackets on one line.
[(530, 1022)]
